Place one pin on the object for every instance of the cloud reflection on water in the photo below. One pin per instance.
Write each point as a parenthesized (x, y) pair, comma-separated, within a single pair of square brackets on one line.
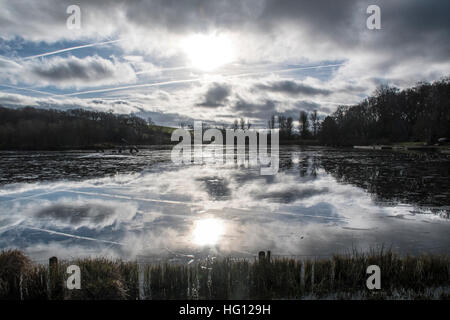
[(154, 213)]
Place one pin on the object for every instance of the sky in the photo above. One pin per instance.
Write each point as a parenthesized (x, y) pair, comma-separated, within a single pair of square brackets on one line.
[(216, 60)]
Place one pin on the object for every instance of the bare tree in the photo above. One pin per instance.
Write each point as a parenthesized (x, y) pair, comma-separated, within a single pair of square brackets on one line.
[(235, 125), (271, 122), (289, 126), (304, 124), (314, 121), (242, 123)]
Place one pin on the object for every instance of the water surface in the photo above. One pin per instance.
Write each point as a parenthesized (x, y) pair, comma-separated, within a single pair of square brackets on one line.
[(322, 201)]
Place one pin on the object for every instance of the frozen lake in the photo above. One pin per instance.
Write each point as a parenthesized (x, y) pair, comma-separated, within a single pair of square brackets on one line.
[(322, 201)]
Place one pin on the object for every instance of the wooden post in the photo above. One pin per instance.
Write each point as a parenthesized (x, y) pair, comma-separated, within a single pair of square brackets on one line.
[(56, 290), (268, 256), (261, 256), (53, 262)]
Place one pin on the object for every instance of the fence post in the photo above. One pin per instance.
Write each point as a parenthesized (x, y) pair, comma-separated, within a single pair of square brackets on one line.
[(56, 289), (261, 256)]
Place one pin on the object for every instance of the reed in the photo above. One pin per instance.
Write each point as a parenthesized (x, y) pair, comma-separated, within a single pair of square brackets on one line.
[(337, 277)]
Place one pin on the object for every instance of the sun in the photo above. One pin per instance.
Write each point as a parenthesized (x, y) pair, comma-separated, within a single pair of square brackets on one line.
[(208, 231), (208, 52)]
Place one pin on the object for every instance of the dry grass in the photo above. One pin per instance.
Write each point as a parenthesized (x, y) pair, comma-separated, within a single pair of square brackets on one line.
[(339, 277)]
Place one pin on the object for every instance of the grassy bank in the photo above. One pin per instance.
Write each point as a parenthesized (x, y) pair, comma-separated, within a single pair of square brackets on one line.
[(338, 277)]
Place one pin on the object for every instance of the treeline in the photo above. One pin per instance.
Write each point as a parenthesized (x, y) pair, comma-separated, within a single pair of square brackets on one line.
[(41, 129), (307, 130), (308, 126), (418, 114), (421, 113)]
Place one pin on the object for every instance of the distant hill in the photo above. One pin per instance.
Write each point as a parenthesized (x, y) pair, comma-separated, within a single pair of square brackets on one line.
[(42, 129)]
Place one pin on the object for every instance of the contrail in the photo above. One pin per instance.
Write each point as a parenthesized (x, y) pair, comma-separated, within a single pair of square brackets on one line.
[(133, 198), (3, 228), (10, 61), (197, 79), (194, 204), (27, 89), (164, 69), (73, 236), (330, 102), (72, 48), (134, 86), (251, 73), (285, 70), (30, 196)]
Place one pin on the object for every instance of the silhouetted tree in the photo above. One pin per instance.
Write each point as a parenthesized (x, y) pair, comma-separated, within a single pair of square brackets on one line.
[(315, 122), (242, 123), (329, 135), (30, 128), (271, 122), (303, 124), (235, 125), (421, 113)]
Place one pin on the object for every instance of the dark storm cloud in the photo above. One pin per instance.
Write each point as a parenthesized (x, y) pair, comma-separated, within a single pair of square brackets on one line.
[(263, 110), (258, 110), (194, 15), (11, 100), (187, 15), (415, 28), (333, 20), (310, 106), (293, 88), (414, 34), (292, 195), (216, 96), (341, 23), (411, 28), (74, 69), (74, 214)]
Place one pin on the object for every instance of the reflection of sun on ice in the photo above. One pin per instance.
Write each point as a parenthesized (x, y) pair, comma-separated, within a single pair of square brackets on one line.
[(208, 52), (208, 231)]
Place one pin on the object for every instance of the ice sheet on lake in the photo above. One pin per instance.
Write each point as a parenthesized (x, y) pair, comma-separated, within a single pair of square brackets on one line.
[(154, 213)]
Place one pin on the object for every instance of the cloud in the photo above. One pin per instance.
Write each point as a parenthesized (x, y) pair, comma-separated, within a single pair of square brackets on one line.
[(13, 100), (259, 109), (293, 88), (78, 213), (80, 72), (412, 46), (132, 209), (310, 106), (216, 96), (314, 26)]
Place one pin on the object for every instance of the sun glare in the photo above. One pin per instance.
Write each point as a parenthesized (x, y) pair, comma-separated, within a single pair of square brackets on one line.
[(208, 231), (208, 52)]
